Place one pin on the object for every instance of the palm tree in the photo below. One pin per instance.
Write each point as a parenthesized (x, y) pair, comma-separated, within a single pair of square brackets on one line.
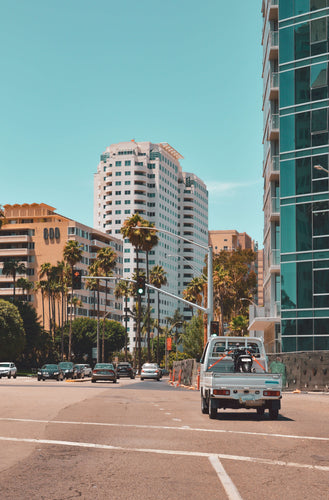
[(106, 258), (194, 291), (42, 285), (157, 279), (150, 241), (45, 271), (12, 267), (72, 255), (124, 289), (25, 284), (223, 290), (93, 271)]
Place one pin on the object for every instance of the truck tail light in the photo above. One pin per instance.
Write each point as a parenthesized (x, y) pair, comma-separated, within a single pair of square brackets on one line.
[(221, 392), (271, 393)]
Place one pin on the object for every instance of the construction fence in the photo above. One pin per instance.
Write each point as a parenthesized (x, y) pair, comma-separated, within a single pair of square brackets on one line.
[(300, 370)]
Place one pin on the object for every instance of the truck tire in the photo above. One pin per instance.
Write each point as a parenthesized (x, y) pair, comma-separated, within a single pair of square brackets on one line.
[(204, 406), (274, 413), (260, 412), (212, 409)]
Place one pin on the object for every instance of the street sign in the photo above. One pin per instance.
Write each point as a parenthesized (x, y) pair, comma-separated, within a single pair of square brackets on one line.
[(94, 352)]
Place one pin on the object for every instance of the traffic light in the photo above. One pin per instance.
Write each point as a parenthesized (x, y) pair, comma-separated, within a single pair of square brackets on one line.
[(214, 328), (140, 285), (76, 279)]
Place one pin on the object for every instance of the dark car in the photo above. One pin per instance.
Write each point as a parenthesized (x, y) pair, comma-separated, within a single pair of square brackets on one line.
[(80, 371), (104, 371), (68, 369), (50, 371), (125, 370)]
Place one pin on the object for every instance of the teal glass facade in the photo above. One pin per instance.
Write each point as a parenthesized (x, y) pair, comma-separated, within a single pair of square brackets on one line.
[(304, 179)]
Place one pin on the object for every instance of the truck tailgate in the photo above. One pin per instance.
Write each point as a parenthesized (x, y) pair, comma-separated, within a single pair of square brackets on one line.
[(251, 381)]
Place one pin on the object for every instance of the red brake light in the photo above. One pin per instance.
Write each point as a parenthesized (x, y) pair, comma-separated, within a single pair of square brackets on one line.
[(221, 392), (271, 393)]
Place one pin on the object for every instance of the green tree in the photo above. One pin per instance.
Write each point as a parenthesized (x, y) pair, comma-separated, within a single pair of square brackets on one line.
[(72, 254), (84, 338), (25, 285), (124, 289), (106, 258), (12, 334), (158, 279), (194, 291), (39, 346), (13, 267), (192, 338), (239, 325)]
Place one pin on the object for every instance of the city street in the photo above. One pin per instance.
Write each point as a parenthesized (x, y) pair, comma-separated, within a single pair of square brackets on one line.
[(149, 440)]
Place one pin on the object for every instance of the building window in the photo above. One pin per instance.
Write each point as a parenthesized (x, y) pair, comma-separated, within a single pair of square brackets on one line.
[(127, 163), (118, 163)]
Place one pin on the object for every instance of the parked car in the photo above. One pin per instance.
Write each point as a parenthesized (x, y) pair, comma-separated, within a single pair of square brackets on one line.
[(88, 370), (125, 370), (104, 371), (69, 369), (80, 370), (151, 371), (8, 369), (49, 371)]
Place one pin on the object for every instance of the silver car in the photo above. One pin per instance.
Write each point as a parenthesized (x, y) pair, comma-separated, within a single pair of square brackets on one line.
[(8, 369), (151, 370)]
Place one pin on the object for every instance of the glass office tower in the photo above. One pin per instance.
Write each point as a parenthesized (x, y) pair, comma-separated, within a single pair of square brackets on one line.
[(295, 72)]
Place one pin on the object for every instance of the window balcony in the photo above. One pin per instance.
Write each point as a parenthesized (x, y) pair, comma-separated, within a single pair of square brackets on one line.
[(273, 10), (274, 45), (275, 261), (274, 86), (275, 209), (274, 166), (273, 128)]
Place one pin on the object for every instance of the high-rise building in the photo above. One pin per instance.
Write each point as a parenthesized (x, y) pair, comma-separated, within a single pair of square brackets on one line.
[(147, 178), (35, 234), (295, 171)]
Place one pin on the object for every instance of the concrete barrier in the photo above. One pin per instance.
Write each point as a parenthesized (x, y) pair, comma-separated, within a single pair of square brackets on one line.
[(300, 370), (303, 370)]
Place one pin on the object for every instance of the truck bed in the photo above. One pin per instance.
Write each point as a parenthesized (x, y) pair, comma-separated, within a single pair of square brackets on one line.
[(233, 381)]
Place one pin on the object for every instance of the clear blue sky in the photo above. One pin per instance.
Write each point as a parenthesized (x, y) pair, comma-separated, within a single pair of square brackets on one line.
[(78, 75)]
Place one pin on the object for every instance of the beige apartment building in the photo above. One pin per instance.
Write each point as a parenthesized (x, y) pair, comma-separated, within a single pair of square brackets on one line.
[(35, 234), (229, 240)]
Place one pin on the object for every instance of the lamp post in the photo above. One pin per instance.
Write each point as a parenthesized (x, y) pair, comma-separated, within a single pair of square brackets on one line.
[(320, 167)]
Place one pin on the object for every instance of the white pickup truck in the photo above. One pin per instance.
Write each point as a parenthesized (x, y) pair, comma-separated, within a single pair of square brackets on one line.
[(234, 374)]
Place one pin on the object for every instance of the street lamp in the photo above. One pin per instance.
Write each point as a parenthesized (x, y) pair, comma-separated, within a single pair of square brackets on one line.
[(320, 167), (249, 300)]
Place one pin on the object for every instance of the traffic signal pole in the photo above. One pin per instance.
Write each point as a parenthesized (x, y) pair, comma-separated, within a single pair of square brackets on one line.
[(209, 310)]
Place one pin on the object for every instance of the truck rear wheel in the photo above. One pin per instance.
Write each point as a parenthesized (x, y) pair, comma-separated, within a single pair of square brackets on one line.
[(212, 409), (204, 406), (260, 412), (274, 413)]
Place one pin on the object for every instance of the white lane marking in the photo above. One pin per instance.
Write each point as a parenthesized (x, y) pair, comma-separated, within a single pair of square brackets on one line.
[(165, 427), (224, 478), (266, 461), (177, 419)]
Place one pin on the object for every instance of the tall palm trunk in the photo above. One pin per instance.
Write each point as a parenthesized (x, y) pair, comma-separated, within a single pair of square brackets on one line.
[(158, 332), (148, 310)]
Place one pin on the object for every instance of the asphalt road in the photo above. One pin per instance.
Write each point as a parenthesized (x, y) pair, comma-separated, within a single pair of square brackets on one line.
[(149, 440)]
